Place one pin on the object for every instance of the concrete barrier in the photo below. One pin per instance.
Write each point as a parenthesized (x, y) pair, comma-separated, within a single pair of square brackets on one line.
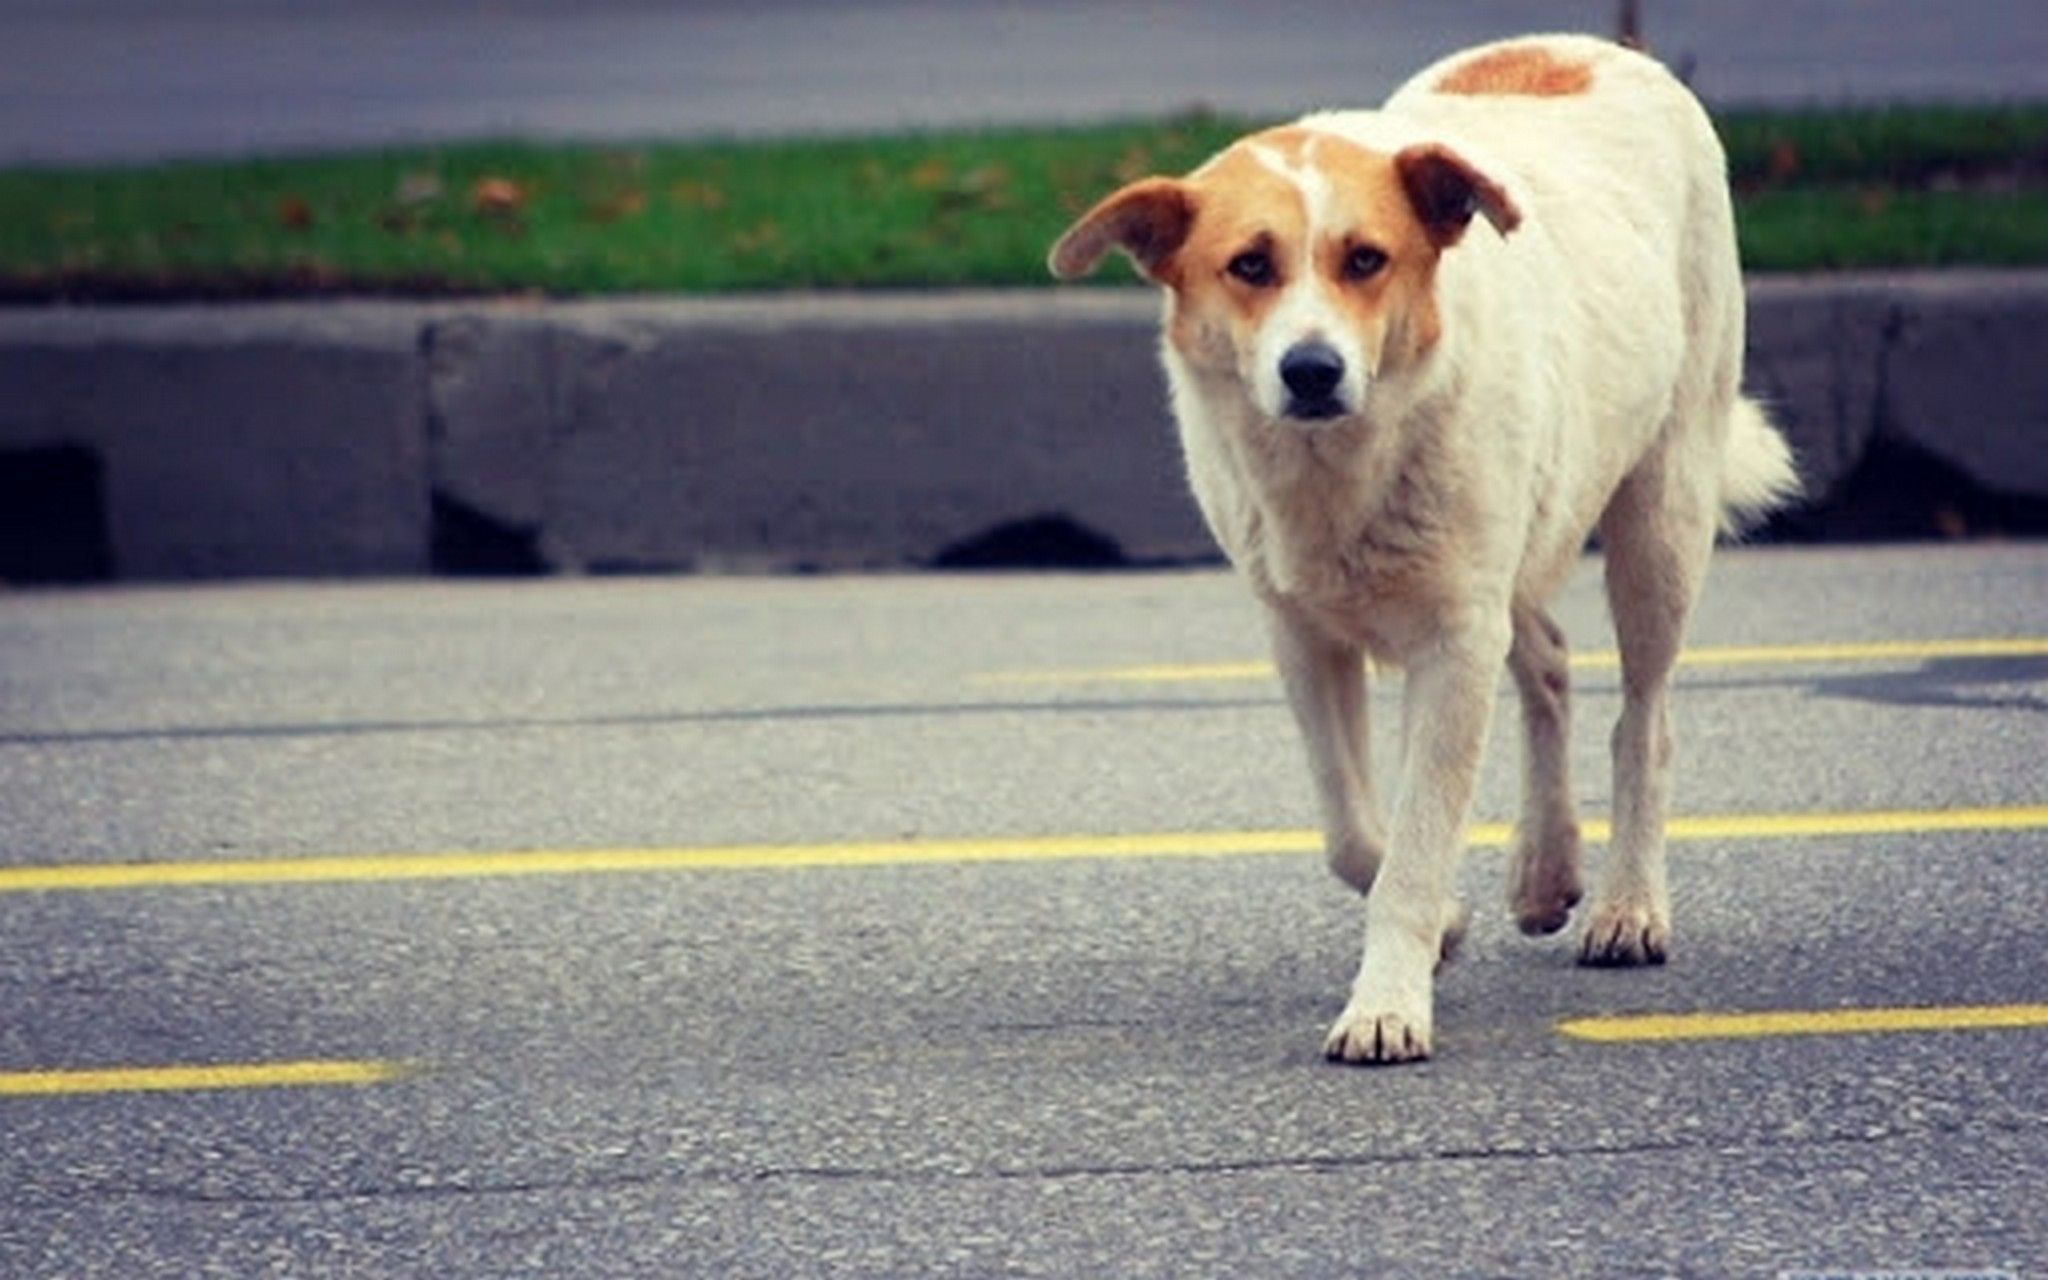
[(228, 441), (794, 432)]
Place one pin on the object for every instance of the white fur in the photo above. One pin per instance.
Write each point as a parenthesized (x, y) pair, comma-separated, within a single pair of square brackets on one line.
[(1306, 311), (1586, 375)]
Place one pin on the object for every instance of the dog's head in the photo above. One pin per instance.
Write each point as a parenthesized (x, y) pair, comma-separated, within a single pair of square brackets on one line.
[(1300, 263)]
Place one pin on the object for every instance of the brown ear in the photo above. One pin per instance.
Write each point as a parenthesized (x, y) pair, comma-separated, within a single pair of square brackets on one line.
[(1149, 220), (1447, 190)]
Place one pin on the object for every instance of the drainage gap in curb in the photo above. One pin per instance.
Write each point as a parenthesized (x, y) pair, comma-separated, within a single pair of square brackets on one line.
[(468, 543), (1037, 542), (1900, 492), (53, 516)]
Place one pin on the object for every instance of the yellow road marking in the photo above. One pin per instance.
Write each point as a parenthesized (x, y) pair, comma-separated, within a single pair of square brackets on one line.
[(1155, 673), (1701, 656), (231, 1075), (1808, 1022), (1868, 651), (460, 865)]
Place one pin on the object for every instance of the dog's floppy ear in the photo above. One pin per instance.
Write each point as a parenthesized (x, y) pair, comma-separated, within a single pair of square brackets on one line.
[(1148, 220), (1447, 189)]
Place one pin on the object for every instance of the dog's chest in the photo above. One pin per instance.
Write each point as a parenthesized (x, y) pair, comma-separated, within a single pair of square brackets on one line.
[(1366, 551), (1386, 602)]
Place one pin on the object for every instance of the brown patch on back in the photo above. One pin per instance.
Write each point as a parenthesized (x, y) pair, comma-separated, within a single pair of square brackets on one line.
[(1524, 70)]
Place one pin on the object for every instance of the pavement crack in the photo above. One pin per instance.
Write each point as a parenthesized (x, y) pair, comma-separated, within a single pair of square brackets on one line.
[(1338, 1163), (940, 1174)]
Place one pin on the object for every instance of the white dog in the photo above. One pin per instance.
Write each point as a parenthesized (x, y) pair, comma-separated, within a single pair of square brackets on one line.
[(1402, 429)]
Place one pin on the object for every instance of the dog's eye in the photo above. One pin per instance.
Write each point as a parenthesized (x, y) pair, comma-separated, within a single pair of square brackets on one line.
[(1253, 266), (1363, 263)]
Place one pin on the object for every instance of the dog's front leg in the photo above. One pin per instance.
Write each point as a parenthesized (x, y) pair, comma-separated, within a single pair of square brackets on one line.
[(1325, 683), (1412, 912)]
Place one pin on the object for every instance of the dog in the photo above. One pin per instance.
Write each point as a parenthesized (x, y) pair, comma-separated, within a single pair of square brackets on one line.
[(1418, 356)]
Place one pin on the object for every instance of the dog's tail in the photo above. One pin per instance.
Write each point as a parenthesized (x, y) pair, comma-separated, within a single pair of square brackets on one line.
[(1757, 475)]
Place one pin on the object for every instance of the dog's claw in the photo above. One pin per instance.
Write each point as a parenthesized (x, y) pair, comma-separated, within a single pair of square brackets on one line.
[(1376, 1039), (1624, 937)]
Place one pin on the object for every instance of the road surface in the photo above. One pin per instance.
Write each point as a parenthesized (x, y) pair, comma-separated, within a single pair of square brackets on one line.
[(938, 925)]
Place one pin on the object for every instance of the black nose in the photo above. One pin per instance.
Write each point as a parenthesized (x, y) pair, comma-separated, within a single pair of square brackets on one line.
[(1311, 370)]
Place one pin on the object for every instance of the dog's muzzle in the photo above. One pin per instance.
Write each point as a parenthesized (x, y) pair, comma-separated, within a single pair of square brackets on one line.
[(1312, 372)]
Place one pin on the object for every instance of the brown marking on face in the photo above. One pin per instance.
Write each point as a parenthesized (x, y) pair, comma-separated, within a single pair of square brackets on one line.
[(1245, 205), (1523, 70), (1395, 307), (1261, 248)]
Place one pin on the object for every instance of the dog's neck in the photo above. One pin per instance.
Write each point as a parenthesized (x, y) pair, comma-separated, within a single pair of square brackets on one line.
[(1346, 505)]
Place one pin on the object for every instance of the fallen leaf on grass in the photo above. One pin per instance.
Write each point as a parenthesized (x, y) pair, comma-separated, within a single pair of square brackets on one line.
[(617, 206), (1783, 165), (697, 195), (418, 188), (764, 237), (983, 187), (1134, 164), (497, 197), (987, 187)]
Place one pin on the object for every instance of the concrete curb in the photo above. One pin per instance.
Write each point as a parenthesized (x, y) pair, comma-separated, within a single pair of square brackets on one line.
[(791, 432)]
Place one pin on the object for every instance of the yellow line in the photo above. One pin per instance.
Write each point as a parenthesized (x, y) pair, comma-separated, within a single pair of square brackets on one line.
[(1157, 673), (251, 1075), (1702, 656), (1870, 651), (1881, 822), (1815, 1022), (459, 865)]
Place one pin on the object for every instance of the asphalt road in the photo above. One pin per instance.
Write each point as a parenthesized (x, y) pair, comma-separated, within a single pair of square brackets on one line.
[(111, 80), (720, 927)]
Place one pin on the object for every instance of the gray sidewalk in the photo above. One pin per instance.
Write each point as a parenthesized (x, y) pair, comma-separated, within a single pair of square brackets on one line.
[(794, 432)]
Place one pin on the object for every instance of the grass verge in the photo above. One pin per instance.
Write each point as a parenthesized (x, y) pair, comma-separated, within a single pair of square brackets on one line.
[(1816, 190)]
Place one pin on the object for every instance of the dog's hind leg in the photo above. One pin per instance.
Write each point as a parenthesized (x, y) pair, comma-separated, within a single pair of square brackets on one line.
[(1325, 684), (1544, 881), (1658, 531)]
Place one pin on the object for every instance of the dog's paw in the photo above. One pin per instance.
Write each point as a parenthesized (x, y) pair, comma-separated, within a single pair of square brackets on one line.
[(1624, 934), (1355, 860), (1545, 883), (1366, 1035), (1387, 1019), (1457, 919), (1543, 903)]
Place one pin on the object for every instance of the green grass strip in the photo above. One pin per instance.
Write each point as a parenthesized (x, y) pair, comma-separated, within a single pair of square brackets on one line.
[(1817, 190)]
